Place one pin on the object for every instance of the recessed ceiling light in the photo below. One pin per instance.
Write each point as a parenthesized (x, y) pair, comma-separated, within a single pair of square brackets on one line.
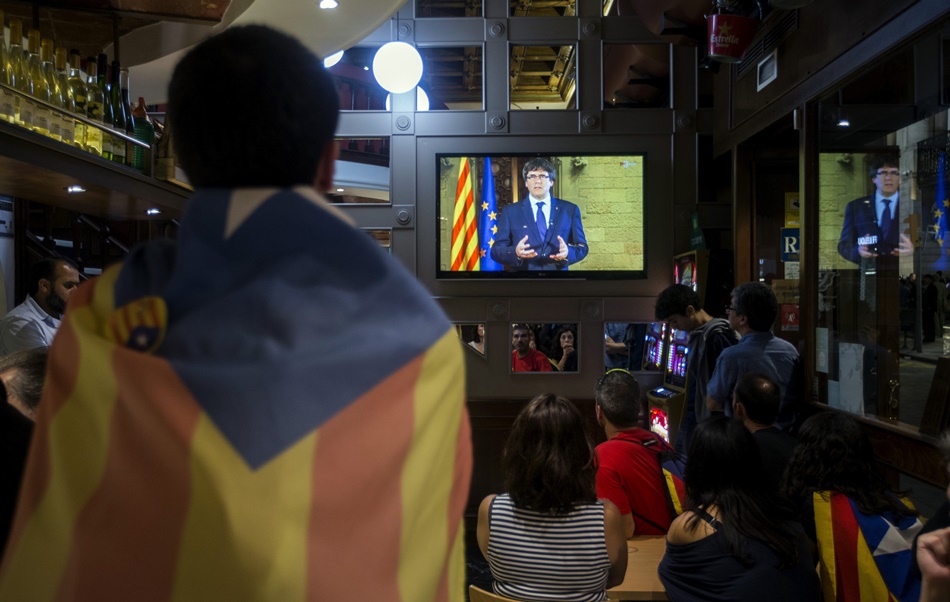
[(153, 211), (325, 4), (74, 189)]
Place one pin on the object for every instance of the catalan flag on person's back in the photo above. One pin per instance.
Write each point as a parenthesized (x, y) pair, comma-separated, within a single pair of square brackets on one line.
[(273, 409), (864, 558)]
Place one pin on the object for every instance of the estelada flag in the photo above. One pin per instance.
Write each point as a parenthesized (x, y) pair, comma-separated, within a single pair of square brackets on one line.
[(273, 410), (864, 557)]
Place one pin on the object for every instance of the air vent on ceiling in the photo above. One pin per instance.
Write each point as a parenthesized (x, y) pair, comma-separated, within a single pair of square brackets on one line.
[(778, 31)]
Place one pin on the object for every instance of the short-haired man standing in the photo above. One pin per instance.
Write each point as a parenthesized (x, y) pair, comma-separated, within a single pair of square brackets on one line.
[(752, 313), (755, 403), (680, 307), (628, 469), (523, 357), (34, 322)]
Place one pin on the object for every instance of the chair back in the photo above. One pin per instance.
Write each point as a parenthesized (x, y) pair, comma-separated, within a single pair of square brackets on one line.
[(477, 594)]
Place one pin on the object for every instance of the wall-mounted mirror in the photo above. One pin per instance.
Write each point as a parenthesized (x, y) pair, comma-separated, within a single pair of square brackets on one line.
[(544, 347), (473, 335)]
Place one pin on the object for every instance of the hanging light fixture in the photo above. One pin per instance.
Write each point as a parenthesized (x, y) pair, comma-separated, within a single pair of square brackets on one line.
[(397, 67), (333, 59), (422, 100)]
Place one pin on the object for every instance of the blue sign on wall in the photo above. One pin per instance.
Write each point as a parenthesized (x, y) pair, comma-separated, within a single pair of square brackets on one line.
[(791, 244)]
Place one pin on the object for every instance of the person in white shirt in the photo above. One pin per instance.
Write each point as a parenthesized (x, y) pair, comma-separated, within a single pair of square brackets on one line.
[(34, 322)]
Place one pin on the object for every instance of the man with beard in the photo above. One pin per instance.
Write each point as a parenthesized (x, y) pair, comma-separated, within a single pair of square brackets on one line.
[(523, 357), (34, 322)]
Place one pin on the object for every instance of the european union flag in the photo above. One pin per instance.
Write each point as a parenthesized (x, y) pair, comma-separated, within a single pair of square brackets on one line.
[(488, 220), (940, 209)]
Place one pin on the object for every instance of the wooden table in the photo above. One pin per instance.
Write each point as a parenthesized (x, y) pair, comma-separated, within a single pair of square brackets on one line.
[(644, 553)]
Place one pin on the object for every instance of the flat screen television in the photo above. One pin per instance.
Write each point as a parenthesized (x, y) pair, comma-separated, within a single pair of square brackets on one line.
[(591, 229), (676, 358)]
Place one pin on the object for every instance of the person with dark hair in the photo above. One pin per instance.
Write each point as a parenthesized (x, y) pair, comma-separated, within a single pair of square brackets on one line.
[(23, 374), (565, 351), (34, 322), (736, 541), (628, 469), (477, 341), (549, 537), (523, 357), (832, 476), (540, 232), (872, 224), (752, 313), (680, 307), (755, 404), (216, 429)]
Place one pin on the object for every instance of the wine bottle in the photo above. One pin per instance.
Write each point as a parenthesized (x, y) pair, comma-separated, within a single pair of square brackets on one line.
[(7, 98), (55, 95), (119, 118), (102, 70), (77, 88), (18, 76), (144, 131), (94, 101), (65, 93), (38, 83)]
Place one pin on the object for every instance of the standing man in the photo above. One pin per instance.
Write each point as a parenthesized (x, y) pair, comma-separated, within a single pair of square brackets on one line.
[(34, 322), (680, 307), (752, 313), (628, 468), (540, 232), (755, 403), (872, 224), (523, 357), (212, 427)]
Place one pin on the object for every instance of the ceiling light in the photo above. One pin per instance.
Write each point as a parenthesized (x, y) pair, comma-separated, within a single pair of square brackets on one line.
[(397, 67), (75, 189), (843, 123), (325, 4), (153, 211), (333, 59), (422, 100)]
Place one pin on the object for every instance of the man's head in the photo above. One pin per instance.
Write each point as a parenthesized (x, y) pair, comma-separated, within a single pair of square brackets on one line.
[(521, 339), (252, 106), (756, 398), (678, 305), (753, 308), (539, 176), (886, 174), (23, 374), (52, 281), (618, 399)]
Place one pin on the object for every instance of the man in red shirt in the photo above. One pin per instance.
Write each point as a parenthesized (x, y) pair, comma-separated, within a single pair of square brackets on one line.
[(628, 469), (523, 357)]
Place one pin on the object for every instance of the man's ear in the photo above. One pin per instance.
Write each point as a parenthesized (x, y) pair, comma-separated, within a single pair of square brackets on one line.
[(326, 169), (600, 414), (738, 410), (45, 285)]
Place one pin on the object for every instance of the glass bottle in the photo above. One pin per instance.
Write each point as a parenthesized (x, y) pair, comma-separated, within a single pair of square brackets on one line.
[(7, 98), (19, 75), (38, 84), (102, 70), (119, 118), (65, 96), (55, 95), (77, 88), (94, 102), (144, 131)]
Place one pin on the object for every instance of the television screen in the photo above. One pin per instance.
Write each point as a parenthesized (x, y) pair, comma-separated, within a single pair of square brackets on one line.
[(676, 359), (659, 423), (541, 216), (654, 345)]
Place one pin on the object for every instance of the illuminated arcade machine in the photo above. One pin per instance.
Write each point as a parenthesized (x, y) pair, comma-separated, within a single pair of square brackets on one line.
[(654, 347), (666, 405)]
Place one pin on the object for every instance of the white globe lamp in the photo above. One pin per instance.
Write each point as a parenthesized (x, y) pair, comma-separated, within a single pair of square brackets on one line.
[(397, 67), (333, 59), (422, 100)]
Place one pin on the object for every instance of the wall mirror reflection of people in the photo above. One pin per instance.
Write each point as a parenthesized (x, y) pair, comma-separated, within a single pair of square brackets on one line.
[(540, 232), (523, 357), (872, 223), (478, 339)]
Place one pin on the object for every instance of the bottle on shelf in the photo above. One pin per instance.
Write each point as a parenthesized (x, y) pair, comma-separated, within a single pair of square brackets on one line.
[(19, 76), (48, 73), (38, 84), (144, 131), (119, 116), (7, 98), (102, 71), (65, 94), (77, 88), (94, 100)]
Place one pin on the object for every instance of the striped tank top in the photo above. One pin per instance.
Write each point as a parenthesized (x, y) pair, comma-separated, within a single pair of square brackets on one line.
[(535, 556)]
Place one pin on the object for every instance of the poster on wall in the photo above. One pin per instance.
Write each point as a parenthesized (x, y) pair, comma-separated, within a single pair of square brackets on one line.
[(792, 210), (790, 317)]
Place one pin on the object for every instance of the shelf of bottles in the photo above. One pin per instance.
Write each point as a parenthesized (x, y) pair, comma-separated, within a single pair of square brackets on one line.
[(41, 92)]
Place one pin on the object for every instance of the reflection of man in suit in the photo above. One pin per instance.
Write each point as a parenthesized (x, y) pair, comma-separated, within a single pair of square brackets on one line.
[(540, 232), (872, 224)]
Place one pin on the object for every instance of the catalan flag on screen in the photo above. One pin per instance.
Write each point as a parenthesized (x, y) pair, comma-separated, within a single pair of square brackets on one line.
[(464, 229), (864, 557), (273, 409)]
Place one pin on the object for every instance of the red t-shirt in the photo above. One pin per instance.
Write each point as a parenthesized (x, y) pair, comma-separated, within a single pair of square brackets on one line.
[(629, 475), (535, 361)]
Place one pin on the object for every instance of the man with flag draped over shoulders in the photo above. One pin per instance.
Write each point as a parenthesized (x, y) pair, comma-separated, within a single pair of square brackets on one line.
[(212, 428)]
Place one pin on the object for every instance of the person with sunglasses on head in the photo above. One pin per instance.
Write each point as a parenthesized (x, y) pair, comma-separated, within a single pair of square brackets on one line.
[(540, 232), (628, 472), (872, 224)]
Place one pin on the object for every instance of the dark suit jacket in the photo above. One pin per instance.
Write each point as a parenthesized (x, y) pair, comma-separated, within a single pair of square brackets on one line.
[(517, 220), (860, 219)]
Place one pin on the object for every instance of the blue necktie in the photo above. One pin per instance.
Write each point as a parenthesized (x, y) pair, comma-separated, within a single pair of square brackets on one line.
[(542, 223), (885, 219)]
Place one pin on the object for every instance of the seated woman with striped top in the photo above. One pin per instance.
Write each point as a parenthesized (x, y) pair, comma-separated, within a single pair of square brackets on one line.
[(549, 537)]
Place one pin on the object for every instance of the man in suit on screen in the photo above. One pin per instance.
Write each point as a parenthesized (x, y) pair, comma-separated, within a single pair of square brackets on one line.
[(540, 232)]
